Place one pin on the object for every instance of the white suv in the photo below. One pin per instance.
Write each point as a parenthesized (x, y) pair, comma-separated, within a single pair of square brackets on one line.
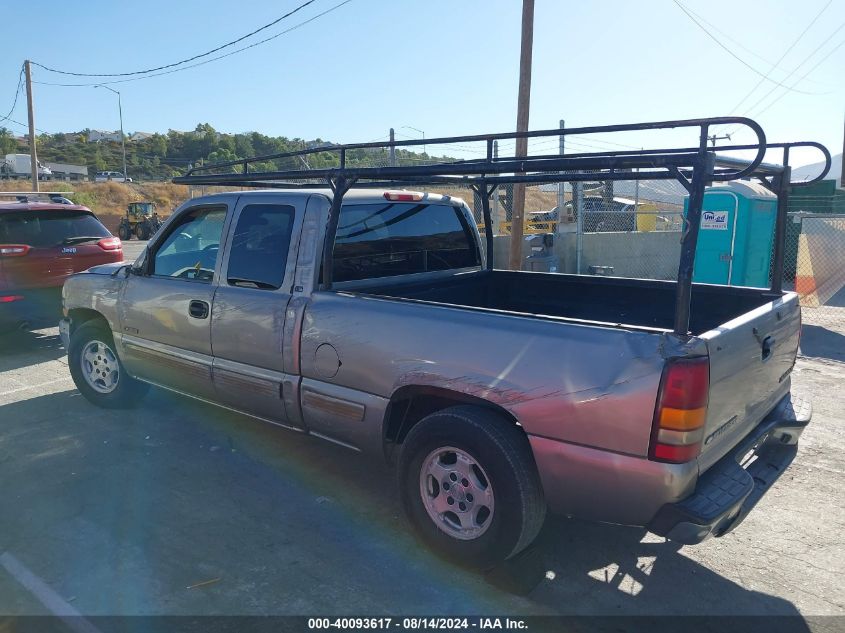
[(113, 176)]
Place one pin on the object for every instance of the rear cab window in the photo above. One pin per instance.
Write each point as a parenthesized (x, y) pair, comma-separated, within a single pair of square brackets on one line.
[(386, 239), (260, 246), (48, 228)]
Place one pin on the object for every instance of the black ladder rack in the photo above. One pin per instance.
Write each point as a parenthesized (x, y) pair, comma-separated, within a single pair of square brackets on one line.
[(693, 167)]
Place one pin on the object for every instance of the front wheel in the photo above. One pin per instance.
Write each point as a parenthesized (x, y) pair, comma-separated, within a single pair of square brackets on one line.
[(470, 487), (97, 371), (141, 231)]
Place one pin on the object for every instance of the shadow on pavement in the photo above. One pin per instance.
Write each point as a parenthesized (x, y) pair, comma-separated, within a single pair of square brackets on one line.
[(587, 569), (821, 342), (23, 348), (126, 511)]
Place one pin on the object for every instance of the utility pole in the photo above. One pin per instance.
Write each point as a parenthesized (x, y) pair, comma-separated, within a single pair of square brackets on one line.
[(578, 206), (416, 129), (30, 111), (522, 109), (392, 148), (497, 217), (560, 185), (842, 175), (713, 138)]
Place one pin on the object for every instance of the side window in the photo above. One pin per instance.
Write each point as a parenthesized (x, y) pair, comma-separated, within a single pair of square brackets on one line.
[(190, 249), (260, 246), (388, 239)]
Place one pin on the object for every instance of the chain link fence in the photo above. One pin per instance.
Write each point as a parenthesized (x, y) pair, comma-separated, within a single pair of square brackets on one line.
[(815, 267)]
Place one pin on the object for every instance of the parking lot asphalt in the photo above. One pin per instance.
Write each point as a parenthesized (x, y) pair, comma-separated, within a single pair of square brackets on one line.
[(184, 509), (132, 248)]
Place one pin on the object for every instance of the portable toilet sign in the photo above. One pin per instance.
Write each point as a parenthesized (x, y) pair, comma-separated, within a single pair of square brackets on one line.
[(736, 235)]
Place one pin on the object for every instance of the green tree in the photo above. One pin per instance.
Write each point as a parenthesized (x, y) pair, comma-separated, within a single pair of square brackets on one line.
[(8, 144)]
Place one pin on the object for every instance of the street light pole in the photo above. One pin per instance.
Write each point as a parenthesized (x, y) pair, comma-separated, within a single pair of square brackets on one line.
[(409, 127), (122, 135)]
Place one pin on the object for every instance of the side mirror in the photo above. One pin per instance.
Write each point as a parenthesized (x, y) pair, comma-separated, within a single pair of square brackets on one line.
[(123, 271), (139, 265)]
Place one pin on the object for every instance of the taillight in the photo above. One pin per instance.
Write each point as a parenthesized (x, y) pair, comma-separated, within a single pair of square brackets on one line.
[(14, 250), (110, 244), (678, 426), (403, 196), (11, 298)]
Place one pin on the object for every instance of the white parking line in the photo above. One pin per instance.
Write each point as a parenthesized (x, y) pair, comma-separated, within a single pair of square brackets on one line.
[(52, 601), (38, 386)]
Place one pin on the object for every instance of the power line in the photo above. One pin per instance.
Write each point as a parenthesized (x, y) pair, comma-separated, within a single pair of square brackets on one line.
[(734, 55), (202, 63), (806, 59), (750, 110), (785, 53), (183, 61), (728, 37), (819, 63), (17, 94), (25, 126)]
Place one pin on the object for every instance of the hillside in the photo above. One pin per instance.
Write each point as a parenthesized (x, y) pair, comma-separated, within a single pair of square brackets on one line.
[(162, 156), (811, 171), (109, 199)]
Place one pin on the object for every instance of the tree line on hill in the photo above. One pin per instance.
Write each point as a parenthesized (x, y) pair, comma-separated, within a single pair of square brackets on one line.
[(163, 156)]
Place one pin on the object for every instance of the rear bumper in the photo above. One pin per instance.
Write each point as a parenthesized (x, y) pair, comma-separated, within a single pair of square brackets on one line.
[(43, 304), (729, 490)]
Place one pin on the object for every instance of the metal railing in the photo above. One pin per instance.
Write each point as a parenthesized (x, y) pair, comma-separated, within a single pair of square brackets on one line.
[(692, 167)]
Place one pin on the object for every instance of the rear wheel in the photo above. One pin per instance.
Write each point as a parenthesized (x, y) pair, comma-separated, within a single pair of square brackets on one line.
[(124, 232), (470, 487), (97, 371)]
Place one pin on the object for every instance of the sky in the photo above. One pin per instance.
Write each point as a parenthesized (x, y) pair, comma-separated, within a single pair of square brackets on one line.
[(436, 67)]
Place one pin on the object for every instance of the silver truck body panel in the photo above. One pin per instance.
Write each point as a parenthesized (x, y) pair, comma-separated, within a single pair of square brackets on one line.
[(592, 484), (745, 384), (329, 362), (247, 329), (587, 385)]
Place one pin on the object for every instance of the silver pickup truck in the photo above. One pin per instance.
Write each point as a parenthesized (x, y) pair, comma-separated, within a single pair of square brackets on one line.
[(496, 393)]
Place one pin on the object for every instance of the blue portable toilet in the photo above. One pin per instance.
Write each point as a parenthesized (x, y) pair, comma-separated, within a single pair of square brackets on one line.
[(736, 236)]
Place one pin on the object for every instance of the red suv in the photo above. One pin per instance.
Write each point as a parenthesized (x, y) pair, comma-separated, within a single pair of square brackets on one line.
[(41, 245)]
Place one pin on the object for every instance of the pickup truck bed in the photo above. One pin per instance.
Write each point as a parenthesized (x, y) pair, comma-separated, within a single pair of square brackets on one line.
[(637, 303)]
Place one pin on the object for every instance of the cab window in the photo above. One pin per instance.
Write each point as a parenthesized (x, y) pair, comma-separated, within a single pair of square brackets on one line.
[(260, 246), (191, 247), (388, 239)]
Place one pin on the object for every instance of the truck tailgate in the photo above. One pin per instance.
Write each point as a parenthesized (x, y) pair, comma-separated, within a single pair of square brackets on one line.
[(751, 358)]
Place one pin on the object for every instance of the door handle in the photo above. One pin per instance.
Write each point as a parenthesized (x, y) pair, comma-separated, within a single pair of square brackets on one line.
[(198, 309), (766, 347)]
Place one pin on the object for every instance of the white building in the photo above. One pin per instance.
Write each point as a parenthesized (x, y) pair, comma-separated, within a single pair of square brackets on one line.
[(102, 135), (140, 136)]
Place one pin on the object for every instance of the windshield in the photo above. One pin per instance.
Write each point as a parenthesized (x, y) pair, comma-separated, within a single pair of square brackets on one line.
[(48, 228), (145, 208)]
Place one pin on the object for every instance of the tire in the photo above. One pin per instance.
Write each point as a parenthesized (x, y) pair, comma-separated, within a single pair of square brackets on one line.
[(114, 388), (124, 233), (141, 232), (493, 451)]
